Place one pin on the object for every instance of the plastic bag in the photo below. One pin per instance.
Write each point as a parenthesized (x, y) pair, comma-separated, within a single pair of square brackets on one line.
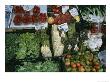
[(102, 57)]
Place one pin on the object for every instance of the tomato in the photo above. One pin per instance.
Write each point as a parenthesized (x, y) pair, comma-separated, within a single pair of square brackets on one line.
[(17, 20), (97, 67), (18, 9), (58, 20), (96, 64), (78, 64), (42, 17), (73, 65), (26, 19), (56, 10), (32, 19), (81, 69), (68, 56), (64, 18), (68, 17)]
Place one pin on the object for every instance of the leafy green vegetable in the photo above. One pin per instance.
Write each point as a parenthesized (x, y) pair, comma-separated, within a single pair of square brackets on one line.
[(29, 45), (44, 37), (71, 30), (47, 66), (10, 45)]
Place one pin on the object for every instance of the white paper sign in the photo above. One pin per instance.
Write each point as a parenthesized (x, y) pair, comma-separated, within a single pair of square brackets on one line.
[(63, 27), (74, 12), (64, 9)]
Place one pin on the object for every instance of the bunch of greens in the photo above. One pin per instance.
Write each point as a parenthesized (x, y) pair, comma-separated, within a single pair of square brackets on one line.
[(76, 38), (47, 66), (82, 37), (10, 45), (44, 37), (50, 66), (93, 13), (28, 45), (71, 30), (70, 37)]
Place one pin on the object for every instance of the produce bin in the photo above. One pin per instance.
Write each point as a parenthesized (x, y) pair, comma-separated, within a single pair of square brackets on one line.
[(55, 38)]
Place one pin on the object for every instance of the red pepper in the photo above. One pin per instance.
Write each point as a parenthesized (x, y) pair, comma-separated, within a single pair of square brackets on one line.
[(32, 19), (56, 10), (42, 17), (26, 19), (17, 20), (18, 9)]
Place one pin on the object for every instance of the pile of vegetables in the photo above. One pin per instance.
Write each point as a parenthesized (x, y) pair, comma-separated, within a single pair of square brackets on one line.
[(69, 46), (93, 13), (10, 46), (28, 46), (45, 48), (83, 62), (47, 66), (25, 17), (81, 59)]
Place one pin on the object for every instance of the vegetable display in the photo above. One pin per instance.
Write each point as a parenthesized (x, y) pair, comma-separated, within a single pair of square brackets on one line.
[(93, 13), (45, 48), (10, 46), (47, 66), (56, 38), (83, 62), (28, 46), (27, 17)]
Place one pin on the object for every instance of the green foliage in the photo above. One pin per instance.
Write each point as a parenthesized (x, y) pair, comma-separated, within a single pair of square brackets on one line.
[(29, 45), (44, 37), (10, 45), (71, 30), (92, 9), (47, 66)]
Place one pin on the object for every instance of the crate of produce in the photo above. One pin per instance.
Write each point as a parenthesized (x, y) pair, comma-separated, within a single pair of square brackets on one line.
[(83, 62)]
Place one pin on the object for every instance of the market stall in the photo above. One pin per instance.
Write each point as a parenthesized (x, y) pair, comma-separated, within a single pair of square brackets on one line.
[(55, 38)]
